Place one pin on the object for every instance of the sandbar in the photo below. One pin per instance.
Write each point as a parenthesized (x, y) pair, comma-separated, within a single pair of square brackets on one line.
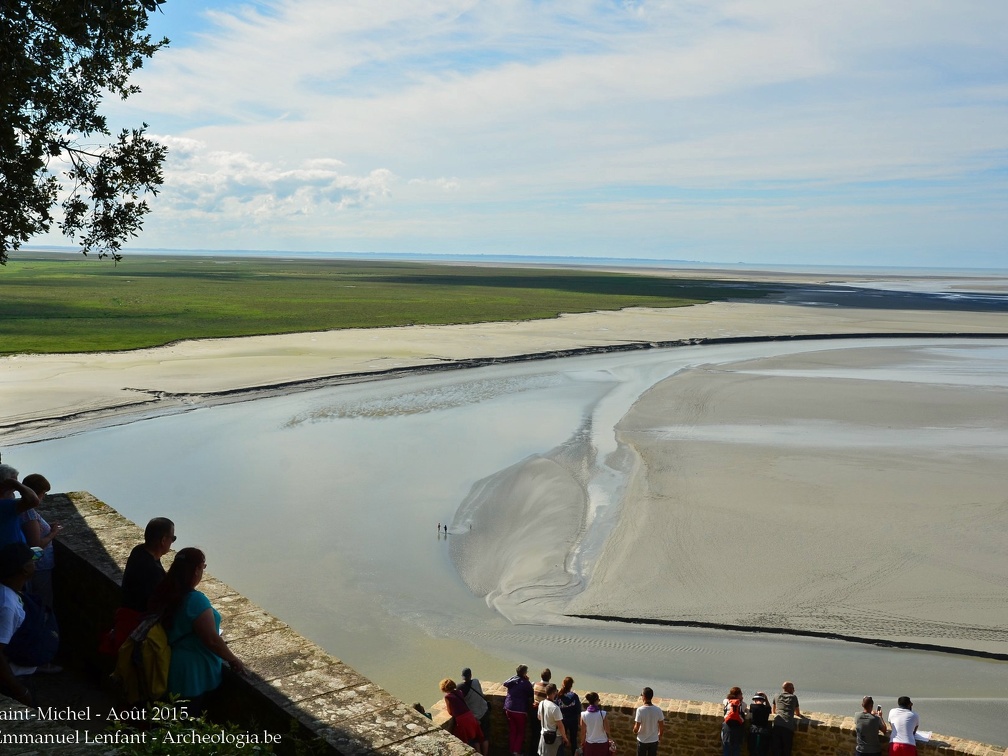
[(41, 394)]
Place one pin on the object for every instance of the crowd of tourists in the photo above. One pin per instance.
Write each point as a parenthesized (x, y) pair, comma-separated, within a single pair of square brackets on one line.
[(556, 722), (767, 727), (553, 718), (165, 637)]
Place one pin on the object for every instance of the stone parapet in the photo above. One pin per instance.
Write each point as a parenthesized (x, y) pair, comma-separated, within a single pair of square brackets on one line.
[(291, 680), (693, 728)]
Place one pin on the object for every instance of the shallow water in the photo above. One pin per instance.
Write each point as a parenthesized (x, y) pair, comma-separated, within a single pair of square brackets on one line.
[(320, 507)]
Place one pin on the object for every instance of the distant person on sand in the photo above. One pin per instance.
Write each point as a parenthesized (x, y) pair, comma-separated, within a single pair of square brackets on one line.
[(472, 692), (40, 534), (904, 722), (11, 507), (869, 725), (594, 728), (570, 707), (733, 726), (467, 729), (758, 741), (649, 725), (786, 713), (551, 728), (517, 705)]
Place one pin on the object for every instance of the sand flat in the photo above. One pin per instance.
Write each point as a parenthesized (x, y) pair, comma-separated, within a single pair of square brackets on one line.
[(865, 507), (37, 388)]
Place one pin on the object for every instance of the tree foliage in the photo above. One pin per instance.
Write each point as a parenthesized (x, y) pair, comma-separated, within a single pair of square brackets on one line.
[(58, 59)]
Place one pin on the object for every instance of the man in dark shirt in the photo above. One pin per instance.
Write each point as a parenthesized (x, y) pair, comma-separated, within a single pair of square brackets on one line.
[(143, 568)]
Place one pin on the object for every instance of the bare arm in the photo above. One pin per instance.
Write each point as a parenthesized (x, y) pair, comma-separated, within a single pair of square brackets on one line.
[(32, 533), (54, 530), (205, 629), (661, 727), (28, 498), (636, 727)]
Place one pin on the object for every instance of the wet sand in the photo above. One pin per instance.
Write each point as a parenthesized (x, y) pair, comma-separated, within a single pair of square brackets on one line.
[(40, 392), (787, 494)]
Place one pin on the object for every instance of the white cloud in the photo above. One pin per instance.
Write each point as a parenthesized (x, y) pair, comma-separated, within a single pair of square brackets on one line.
[(402, 121)]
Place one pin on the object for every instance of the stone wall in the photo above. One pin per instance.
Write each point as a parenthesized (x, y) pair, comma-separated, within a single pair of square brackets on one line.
[(291, 679), (693, 728)]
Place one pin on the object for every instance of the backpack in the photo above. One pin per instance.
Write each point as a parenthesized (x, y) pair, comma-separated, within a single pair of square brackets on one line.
[(733, 711), (34, 643), (143, 662)]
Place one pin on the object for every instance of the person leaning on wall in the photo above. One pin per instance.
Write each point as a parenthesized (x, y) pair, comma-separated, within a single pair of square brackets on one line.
[(870, 728), (786, 714)]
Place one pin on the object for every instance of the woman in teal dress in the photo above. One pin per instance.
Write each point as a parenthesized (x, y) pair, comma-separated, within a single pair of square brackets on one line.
[(193, 629)]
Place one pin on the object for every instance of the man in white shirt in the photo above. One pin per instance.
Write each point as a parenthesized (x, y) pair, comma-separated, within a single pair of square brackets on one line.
[(551, 731), (649, 725), (904, 722)]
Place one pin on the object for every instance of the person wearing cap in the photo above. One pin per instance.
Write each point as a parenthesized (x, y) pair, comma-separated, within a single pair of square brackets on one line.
[(868, 725), (904, 722), (472, 692), (758, 737), (11, 507), (17, 565), (786, 713)]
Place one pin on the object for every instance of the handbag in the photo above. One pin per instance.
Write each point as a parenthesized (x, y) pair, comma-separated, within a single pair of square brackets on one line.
[(549, 736)]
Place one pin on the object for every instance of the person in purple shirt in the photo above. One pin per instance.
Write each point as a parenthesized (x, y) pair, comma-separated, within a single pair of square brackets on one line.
[(517, 704)]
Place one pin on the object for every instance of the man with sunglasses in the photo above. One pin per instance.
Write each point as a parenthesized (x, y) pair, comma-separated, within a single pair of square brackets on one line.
[(143, 568)]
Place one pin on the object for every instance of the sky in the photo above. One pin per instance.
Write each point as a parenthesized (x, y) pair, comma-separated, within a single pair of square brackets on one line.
[(756, 131)]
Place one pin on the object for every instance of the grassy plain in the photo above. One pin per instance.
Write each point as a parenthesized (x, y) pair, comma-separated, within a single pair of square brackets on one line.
[(67, 304)]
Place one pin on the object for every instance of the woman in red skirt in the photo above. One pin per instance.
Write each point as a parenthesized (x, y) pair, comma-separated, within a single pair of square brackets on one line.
[(467, 729)]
